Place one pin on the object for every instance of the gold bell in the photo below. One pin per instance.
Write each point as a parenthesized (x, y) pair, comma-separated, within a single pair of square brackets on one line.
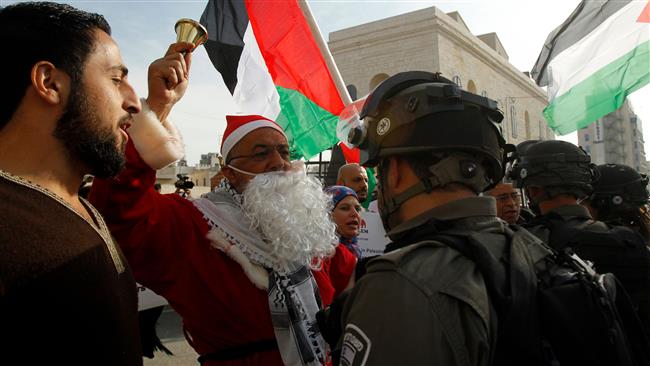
[(188, 30)]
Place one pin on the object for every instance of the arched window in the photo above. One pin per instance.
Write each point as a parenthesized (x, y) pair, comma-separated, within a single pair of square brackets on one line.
[(527, 122), (457, 81), (471, 87), (375, 80), (352, 90), (513, 122), (484, 93)]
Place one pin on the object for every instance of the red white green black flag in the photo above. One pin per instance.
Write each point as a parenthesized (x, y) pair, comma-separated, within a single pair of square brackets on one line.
[(593, 61), (273, 65)]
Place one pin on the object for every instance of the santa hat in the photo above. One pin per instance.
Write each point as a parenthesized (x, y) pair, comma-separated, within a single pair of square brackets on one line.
[(240, 126)]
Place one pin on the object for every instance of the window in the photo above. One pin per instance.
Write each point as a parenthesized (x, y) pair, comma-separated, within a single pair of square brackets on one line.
[(527, 130), (376, 80), (527, 123), (586, 137), (352, 90), (471, 87), (457, 81), (484, 93), (513, 122)]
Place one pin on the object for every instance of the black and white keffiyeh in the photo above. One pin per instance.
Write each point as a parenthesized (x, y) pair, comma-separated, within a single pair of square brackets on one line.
[(292, 290)]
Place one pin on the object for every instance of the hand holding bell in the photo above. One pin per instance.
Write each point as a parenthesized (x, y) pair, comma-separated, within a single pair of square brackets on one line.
[(191, 31)]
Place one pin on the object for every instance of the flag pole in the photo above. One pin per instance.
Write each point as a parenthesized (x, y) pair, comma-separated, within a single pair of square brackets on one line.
[(327, 55)]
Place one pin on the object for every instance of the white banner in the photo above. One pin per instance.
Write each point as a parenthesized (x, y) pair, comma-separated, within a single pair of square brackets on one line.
[(372, 236), (148, 299)]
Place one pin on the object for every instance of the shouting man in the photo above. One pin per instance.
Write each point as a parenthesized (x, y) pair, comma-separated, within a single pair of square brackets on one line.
[(67, 295), (236, 263)]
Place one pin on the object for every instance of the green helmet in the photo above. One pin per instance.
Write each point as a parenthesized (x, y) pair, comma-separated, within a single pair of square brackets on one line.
[(558, 166), (619, 187), (420, 112)]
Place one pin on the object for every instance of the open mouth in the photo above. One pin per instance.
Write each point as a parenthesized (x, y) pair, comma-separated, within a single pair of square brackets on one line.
[(123, 127), (352, 224), (510, 214)]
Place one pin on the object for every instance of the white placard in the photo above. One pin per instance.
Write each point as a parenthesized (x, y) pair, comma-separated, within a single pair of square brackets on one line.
[(148, 299), (372, 236)]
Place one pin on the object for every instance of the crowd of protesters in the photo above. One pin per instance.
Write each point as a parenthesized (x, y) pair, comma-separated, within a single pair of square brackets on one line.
[(267, 268)]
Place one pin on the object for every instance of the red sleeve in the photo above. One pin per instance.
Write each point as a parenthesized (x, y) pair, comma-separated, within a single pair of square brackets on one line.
[(341, 268), (324, 282), (150, 227)]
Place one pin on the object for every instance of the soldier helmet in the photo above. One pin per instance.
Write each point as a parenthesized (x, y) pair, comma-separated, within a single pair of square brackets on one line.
[(524, 146), (619, 186), (422, 112), (558, 166)]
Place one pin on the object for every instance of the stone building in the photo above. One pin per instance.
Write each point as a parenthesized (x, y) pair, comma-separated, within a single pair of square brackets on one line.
[(616, 138), (209, 166), (431, 40)]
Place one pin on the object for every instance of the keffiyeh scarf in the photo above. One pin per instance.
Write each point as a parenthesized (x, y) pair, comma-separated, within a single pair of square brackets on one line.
[(292, 291)]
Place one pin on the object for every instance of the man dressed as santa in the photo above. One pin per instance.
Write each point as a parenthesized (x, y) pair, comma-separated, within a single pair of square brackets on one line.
[(237, 263)]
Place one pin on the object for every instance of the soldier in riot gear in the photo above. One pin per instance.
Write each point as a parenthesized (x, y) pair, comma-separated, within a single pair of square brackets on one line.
[(552, 173), (557, 176), (620, 197), (436, 148), (527, 211)]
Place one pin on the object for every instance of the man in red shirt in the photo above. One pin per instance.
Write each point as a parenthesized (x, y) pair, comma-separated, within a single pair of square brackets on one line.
[(235, 264)]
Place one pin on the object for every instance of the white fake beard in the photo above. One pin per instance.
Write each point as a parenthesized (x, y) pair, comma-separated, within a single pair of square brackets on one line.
[(292, 213)]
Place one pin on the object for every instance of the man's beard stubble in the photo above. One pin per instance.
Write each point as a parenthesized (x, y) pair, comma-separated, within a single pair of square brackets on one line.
[(292, 212), (79, 128)]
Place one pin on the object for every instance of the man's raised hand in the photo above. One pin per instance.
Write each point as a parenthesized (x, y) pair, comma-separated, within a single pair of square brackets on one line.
[(168, 78)]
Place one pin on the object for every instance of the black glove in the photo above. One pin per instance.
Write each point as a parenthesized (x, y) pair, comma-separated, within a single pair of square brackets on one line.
[(329, 320)]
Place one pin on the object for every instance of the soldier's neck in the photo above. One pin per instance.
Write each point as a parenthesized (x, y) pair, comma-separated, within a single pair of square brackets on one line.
[(558, 201), (425, 202)]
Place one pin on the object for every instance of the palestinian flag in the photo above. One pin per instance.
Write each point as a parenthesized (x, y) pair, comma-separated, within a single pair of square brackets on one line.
[(593, 61), (273, 65)]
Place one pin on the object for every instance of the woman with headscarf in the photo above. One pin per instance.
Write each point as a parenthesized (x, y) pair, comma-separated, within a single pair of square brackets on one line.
[(345, 214)]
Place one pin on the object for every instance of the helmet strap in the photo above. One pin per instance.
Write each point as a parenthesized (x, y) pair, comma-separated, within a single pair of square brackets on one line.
[(390, 205)]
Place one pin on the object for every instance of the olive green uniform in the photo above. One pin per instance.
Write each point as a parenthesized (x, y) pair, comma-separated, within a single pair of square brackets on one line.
[(576, 216), (629, 260), (423, 304)]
